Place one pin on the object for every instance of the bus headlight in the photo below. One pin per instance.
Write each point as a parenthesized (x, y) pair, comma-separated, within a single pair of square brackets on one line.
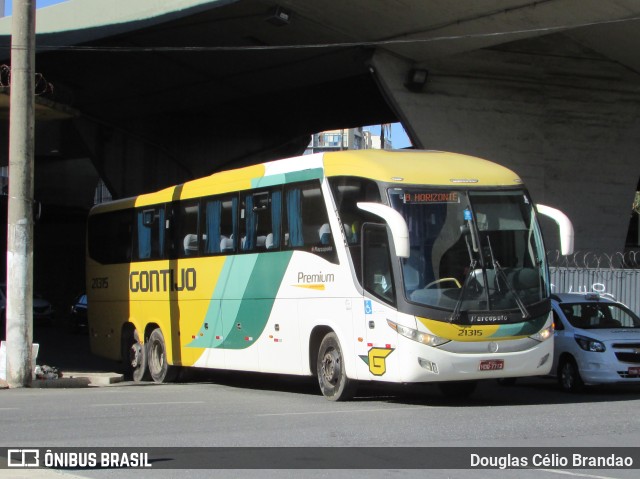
[(418, 336), (543, 334)]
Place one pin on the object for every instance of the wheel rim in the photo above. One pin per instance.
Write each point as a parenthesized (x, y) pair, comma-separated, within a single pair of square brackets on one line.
[(568, 379), (135, 355), (330, 368)]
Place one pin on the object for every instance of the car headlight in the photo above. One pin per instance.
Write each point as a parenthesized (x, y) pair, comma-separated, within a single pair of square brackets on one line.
[(543, 334), (589, 344), (418, 336)]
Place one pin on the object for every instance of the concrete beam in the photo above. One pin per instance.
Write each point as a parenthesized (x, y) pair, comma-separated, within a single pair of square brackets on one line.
[(566, 119)]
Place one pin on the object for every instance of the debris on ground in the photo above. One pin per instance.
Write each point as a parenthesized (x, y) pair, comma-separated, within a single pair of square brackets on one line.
[(46, 372)]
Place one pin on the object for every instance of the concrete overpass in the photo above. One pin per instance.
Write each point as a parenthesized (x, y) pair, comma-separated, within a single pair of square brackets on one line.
[(147, 94)]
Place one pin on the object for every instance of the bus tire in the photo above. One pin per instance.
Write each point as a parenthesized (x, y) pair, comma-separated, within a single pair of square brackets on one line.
[(134, 356), (457, 389), (332, 377), (159, 368)]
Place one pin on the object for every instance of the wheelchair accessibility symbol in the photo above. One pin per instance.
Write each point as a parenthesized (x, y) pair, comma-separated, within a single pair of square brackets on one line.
[(368, 308)]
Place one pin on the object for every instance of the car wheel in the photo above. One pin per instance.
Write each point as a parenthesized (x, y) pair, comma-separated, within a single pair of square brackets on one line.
[(569, 376)]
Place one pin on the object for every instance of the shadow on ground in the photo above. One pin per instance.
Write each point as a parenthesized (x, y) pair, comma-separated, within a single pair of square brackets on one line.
[(68, 351)]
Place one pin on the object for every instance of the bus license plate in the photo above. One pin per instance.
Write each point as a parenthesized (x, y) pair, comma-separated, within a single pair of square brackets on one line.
[(634, 371), (491, 364)]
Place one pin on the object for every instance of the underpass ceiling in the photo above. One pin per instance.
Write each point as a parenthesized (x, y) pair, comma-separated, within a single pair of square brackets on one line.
[(138, 84), (153, 70)]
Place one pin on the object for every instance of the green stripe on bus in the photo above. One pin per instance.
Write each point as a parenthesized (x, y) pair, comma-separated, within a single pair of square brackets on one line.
[(242, 300), (526, 328), (283, 178)]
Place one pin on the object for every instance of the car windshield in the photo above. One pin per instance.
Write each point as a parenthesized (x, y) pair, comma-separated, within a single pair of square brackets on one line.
[(599, 316)]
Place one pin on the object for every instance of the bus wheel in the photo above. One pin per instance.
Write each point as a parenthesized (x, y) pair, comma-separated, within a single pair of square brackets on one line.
[(332, 377), (160, 370), (134, 356), (457, 389)]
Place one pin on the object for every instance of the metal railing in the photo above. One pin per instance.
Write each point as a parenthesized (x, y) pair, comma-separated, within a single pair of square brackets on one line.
[(614, 275)]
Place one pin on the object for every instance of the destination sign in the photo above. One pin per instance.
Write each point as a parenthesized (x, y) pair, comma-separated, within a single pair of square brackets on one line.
[(429, 197)]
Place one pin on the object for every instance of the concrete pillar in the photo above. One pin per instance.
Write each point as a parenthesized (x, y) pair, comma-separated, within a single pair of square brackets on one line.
[(19, 307), (562, 117)]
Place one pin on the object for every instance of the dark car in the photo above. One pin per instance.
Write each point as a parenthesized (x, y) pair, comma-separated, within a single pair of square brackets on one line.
[(78, 313), (42, 310)]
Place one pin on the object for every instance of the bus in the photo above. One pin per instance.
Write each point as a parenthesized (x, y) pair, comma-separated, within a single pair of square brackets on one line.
[(351, 266)]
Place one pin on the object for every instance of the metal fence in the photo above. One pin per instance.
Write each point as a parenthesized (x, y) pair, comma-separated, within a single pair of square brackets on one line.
[(616, 276)]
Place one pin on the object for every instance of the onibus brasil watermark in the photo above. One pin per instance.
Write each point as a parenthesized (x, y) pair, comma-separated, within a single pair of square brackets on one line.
[(33, 458)]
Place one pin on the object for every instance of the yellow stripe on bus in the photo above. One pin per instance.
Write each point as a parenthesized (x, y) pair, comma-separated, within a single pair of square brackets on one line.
[(456, 332), (319, 287)]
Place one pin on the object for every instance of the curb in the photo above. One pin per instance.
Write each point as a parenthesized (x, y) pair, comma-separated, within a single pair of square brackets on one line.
[(74, 380)]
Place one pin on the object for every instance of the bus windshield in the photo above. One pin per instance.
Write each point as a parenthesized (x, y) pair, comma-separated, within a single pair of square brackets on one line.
[(471, 250)]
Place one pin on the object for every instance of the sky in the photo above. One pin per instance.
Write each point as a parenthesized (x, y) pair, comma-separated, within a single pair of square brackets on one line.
[(398, 136), (8, 5)]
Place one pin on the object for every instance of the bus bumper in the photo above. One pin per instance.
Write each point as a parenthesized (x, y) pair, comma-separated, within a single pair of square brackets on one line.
[(426, 364)]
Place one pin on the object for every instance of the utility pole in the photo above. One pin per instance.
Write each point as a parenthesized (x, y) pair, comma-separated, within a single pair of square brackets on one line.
[(19, 310)]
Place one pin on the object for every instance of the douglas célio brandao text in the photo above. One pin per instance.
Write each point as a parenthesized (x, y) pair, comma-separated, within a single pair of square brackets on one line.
[(572, 460)]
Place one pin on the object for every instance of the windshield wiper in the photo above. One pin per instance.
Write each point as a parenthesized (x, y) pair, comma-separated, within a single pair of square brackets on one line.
[(500, 271), (472, 267), (456, 311)]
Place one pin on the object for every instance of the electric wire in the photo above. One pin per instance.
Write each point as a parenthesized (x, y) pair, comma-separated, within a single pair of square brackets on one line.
[(373, 43)]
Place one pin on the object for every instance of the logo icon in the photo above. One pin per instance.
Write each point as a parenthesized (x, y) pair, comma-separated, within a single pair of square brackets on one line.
[(23, 458), (376, 360)]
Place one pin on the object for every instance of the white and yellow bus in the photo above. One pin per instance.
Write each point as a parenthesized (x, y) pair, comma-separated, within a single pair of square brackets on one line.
[(402, 267)]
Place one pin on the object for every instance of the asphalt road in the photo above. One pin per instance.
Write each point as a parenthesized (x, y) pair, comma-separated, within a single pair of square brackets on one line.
[(241, 410)]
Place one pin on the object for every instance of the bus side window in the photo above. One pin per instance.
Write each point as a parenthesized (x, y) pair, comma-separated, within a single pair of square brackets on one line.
[(306, 226), (220, 224), (185, 237), (347, 192), (149, 233), (110, 237), (293, 226), (256, 220)]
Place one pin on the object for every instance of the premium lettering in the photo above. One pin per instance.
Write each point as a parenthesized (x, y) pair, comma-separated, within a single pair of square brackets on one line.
[(315, 278)]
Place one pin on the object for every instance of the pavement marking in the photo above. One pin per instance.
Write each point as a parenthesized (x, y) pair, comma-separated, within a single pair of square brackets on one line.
[(146, 403), (577, 474), (9, 408), (349, 411)]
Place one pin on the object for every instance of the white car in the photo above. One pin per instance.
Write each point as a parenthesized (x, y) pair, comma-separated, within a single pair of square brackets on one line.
[(597, 341)]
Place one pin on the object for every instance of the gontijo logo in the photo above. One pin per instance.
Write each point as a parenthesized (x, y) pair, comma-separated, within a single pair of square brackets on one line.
[(162, 280)]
